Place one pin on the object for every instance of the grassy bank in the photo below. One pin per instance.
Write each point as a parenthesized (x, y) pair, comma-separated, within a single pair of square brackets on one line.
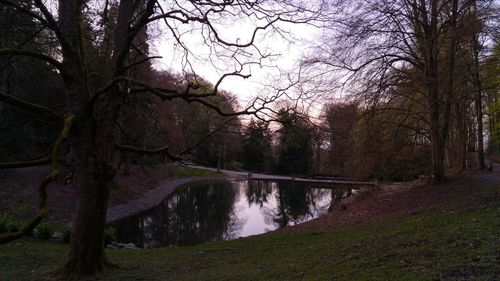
[(19, 197), (184, 172), (439, 244)]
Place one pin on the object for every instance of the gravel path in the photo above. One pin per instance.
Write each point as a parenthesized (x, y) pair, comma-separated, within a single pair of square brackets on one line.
[(271, 177)]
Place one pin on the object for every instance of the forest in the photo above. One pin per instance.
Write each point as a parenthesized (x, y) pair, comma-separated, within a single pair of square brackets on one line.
[(390, 91)]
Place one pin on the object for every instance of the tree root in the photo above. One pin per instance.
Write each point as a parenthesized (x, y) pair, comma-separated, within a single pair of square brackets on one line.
[(71, 271)]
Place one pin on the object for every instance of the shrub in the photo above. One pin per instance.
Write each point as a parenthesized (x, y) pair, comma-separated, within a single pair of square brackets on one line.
[(109, 235), (9, 224), (234, 165), (44, 232), (12, 227), (3, 227)]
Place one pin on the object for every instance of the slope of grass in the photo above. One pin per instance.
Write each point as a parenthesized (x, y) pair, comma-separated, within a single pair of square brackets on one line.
[(184, 172), (434, 245)]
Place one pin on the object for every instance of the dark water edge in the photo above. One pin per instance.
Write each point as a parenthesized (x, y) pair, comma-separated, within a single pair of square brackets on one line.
[(211, 211)]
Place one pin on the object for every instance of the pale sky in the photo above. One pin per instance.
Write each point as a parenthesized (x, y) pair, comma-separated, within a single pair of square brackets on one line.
[(285, 55)]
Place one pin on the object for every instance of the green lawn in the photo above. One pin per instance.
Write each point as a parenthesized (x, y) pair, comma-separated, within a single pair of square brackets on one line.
[(184, 172), (437, 245)]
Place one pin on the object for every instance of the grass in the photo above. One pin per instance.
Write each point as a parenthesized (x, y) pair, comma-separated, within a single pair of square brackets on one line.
[(184, 172), (433, 245), (459, 240)]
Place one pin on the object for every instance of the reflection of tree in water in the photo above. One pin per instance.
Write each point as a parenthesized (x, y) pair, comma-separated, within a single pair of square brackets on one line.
[(319, 206), (206, 212), (337, 196), (202, 213), (295, 203), (258, 192)]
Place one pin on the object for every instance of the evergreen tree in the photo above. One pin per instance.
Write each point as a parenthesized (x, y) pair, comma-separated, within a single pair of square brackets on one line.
[(256, 148), (295, 144)]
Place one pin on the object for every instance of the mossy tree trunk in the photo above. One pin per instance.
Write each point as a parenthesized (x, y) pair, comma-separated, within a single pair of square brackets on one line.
[(93, 137)]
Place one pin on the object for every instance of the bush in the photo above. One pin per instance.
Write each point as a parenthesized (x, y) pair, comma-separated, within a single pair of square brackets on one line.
[(43, 232), (234, 165), (9, 224), (3, 227), (12, 227), (109, 235)]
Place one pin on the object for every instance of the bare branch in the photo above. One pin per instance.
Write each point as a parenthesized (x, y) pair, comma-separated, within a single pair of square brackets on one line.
[(42, 188), (53, 25), (13, 52), (31, 107), (142, 61), (24, 10), (200, 141), (21, 164), (161, 150), (162, 93)]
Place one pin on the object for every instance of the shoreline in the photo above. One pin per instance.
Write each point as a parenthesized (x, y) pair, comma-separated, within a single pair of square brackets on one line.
[(155, 196), (152, 198)]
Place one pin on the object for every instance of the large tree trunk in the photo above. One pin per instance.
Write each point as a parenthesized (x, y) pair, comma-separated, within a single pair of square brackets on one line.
[(462, 136), (91, 156), (440, 100), (93, 138), (429, 49), (91, 143), (437, 132), (437, 148), (91, 146), (478, 100), (479, 119), (87, 257)]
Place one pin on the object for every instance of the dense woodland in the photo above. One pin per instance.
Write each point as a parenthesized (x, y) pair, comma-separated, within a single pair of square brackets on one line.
[(79, 89)]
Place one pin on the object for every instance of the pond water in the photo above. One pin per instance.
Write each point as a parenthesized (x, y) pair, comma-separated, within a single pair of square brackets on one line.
[(219, 210)]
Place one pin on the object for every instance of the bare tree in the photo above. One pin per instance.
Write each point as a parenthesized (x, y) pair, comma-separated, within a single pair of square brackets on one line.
[(374, 42), (89, 118)]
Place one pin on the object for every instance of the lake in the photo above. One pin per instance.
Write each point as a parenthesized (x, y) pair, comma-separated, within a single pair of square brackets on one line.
[(210, 211)]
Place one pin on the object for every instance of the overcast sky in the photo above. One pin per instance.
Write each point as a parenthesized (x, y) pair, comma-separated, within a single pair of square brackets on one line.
[(285, 50)]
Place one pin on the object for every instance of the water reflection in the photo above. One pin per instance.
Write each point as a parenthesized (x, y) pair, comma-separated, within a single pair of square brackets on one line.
[(258, 192), (212, 211)]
